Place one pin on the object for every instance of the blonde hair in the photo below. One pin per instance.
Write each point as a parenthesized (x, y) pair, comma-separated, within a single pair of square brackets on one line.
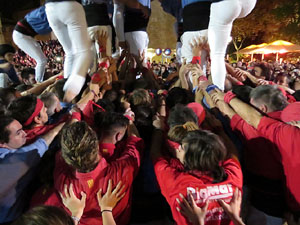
[(178, 132)]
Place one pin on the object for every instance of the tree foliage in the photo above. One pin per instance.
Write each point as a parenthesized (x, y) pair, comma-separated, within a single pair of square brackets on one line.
[(269, 21)]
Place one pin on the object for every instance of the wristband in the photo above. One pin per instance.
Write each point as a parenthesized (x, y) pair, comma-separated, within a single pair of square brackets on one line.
[(228, 97), (103, 64), (196, 60), (76, 219), (101, 49), (106, 210), (211, 87)]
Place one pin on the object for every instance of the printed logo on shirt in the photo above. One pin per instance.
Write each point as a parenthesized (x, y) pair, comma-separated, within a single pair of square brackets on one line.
[(211, 192), (90, 183)]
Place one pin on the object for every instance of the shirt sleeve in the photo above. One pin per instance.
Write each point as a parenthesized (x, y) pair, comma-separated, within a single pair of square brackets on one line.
[(40, 145), (131, 153), (285, 136), (233, 169), (238, 124), (164, 173)]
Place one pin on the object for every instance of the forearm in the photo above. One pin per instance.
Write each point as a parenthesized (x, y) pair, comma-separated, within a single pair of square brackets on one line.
[(52, 134), (107, 218), (248, 113)]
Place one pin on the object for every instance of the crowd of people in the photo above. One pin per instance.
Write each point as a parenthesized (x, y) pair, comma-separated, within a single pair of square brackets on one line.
[(104, 136)]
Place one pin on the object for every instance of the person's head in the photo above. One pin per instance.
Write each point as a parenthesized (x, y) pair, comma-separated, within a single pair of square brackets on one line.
[(140, 97), (179, 132), (178, 95), (79, 147), (180, 115), (7, 95), (112, 125), (242, 92), (7, 52), (268, 98), (57, 89), (204, 151), (28, 76), (262, 71), (282, 79), (51, 103), (45, 215), (12, 136), (29, 111)]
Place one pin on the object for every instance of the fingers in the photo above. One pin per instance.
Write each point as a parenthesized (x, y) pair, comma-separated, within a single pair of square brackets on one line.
[(83, 196), (224, 205), (66, 192), (184, 202), (99, 194), (109, 187)]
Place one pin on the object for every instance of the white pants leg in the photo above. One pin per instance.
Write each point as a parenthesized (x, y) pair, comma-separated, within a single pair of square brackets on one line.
[(32, 48), (138, 42), (94, 33), (67, 20), (222, 15), (186, 50), (4, 80)]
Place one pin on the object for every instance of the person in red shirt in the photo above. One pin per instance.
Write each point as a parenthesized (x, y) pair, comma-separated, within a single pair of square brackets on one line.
[(286, 137), (265, 181), (203, 168), (80, 164)]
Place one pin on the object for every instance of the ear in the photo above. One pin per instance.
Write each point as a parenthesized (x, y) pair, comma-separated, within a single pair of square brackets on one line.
[(263, 108), (37, 119), (118, 136)]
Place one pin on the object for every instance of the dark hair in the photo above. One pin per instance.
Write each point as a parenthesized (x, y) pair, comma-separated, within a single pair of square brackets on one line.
[(22, 108), (266, 71), (105, 104), (242, 92), (57, 89), (23, 87), (204, 151), (4, 132), (7, 95), (180, 114), (26, 72), (282, 75), (45, 215), (108, 122), (6, 48), (270, 96), (178, 95), (48, 99), (179, 132), (79, 146)]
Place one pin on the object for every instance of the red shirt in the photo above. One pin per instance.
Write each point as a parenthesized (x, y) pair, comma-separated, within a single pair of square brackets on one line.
[(122, 169), (173, 180), (287, 139), (259, 150)]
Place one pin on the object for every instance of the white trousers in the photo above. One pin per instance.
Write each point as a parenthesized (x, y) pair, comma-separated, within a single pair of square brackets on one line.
[(68, 22), (4, 80), (32, 48), (138, 42), (186, 50), (94, 33), (222, 15)]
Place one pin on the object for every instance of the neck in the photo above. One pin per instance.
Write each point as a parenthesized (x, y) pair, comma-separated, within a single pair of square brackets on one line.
[(107, 140)]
